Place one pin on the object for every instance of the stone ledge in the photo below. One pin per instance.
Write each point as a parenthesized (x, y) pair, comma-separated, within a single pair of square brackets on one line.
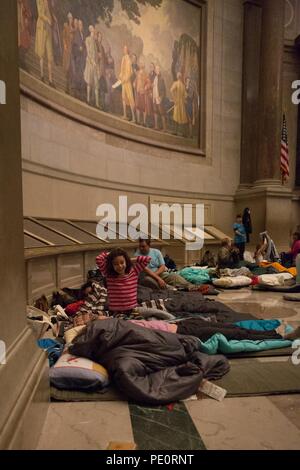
[(62, 175), (20, 383), (263, 189)]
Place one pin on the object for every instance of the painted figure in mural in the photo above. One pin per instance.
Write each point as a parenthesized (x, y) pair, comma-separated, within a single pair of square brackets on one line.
[(152, 73), (43, 38), (127, 90), (135, 66), (24, 24), (135, 69), (24, 28), (140, 93), (191, 104), (91, 68), (110, 76), (101, 68), (159, 95), (175, 60), (71, 72), (78, 62), (68, 35), (149, 96), (178, 93), (149, 114), (56, 37)]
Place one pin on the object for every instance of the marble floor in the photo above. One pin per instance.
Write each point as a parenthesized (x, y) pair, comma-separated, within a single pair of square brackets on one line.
[(260, 423)]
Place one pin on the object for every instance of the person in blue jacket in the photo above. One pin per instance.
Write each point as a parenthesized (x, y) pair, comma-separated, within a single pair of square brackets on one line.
[(240, 236)]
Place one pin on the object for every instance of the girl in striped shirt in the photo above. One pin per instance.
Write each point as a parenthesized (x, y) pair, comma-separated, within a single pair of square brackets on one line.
[(122, 278)]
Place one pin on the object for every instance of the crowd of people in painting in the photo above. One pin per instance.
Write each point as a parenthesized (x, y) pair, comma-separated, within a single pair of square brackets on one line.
[(141, 95)]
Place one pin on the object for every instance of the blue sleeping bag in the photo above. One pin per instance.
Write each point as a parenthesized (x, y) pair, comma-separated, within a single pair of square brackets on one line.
[(219, 344)]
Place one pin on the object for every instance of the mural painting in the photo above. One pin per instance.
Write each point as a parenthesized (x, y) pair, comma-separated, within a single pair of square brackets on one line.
[(137, 60)]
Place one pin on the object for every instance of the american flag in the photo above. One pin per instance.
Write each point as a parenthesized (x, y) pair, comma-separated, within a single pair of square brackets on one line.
[(284, 153)]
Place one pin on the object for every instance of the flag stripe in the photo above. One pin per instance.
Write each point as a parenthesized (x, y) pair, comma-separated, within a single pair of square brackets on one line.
[(284, 153)]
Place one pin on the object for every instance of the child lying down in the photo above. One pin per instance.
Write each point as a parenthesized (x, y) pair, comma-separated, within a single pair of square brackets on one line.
[(204, 330)]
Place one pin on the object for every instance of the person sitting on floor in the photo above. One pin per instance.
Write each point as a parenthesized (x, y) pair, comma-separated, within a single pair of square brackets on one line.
[(121, 274), (289, 259), (155, 275), (208, 260), (170, 263), (270, 251), (228, 255), (259, 254)]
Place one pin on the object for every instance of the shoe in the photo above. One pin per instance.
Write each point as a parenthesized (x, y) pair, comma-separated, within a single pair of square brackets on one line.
[(61, 314)]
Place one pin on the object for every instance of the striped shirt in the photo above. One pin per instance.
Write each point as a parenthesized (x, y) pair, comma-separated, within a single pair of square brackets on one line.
[(122, 290)]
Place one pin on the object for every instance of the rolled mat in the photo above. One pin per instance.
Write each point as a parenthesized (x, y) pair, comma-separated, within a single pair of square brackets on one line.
[(245, 378), (107, 394), (254, 378), (266, 353)]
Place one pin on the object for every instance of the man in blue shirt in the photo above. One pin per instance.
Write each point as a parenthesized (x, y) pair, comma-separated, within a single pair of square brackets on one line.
[(156, 275), (240, 236)]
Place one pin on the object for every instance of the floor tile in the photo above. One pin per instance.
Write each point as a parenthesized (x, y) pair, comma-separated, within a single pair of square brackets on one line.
[(85, 426), (157, 428), (243, 423)]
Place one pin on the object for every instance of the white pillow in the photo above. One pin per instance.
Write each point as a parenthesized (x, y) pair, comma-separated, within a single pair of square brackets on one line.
[(274, 279), (227, 282)]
